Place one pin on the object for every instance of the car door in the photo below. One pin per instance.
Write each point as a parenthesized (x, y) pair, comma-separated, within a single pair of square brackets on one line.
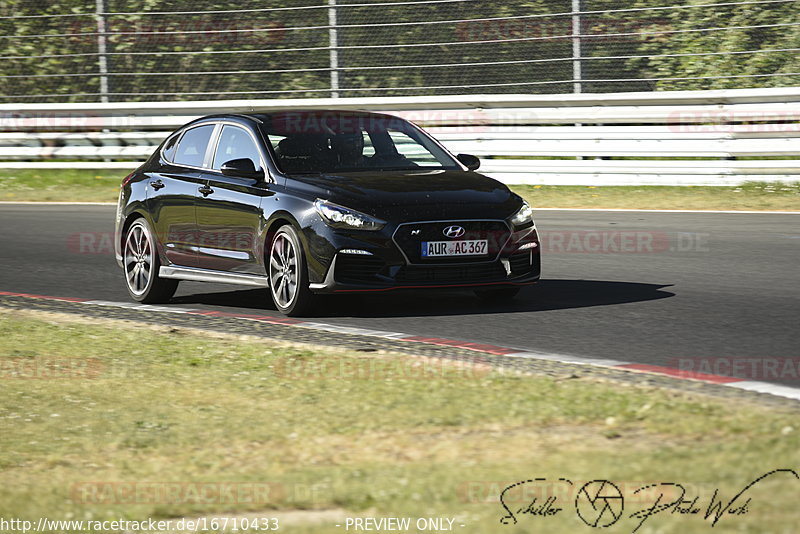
[(229, 207), (173, 190)]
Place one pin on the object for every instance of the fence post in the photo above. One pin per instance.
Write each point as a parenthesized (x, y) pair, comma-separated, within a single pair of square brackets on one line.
[(576, 46), (101, 49), (333, 38)]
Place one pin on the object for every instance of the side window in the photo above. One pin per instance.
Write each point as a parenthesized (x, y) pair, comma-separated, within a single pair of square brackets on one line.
[(236, 143), (275, 140), (170, 146), (193, 144), (408, 147), (369, 150)]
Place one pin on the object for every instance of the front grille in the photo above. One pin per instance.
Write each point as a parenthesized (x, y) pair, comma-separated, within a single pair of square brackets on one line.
[(409, 237), (451, 274), (357, 269)]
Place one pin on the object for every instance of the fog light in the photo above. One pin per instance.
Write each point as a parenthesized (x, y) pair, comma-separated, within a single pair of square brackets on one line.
[(526, 246), (356, 251), (506, 266)]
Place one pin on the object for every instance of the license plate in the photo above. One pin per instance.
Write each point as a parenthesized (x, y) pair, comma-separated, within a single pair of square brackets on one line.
[(473, 247)]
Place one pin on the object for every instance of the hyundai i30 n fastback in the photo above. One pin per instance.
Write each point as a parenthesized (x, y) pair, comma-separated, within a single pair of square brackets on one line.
[(308, 202)]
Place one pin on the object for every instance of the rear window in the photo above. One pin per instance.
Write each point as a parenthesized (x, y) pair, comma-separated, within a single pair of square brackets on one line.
[(169, 147), (192, 146)]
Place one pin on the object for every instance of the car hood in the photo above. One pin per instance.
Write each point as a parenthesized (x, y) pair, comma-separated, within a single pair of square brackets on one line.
[(415, 195)]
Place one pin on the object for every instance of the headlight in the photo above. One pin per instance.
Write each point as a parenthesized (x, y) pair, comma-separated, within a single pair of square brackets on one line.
[(523, 216), (340, 217)]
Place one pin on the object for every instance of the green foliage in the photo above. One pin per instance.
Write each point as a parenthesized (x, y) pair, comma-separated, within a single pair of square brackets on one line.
[(730, 68), (284, 53)]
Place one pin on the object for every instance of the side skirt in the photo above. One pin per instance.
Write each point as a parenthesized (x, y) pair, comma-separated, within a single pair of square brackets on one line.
[(206, 275)]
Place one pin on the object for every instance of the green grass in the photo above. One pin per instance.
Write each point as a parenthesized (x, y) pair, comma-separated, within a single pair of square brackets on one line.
[(749, 196), (103, 186), (154, 406), (61, 185)]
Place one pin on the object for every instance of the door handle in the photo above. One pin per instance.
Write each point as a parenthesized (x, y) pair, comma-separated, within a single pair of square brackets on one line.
[(205, 190), (157, 184)]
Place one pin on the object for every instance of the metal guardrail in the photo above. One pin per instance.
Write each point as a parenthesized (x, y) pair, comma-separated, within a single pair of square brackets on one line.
[(636, 138)]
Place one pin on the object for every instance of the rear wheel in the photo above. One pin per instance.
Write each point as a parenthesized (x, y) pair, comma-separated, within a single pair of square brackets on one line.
[(497, 294), (288, 275), (141, 263)]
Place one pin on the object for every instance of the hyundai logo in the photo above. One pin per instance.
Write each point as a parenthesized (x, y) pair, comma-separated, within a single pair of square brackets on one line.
[(453, 231)]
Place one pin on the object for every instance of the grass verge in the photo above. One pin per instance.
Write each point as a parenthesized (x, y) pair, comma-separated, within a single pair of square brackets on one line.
[(90, 410), (755, 196), (60, 185), (103, 186)]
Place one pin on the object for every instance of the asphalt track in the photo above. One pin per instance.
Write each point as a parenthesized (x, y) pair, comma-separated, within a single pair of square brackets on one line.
[(644, 287)]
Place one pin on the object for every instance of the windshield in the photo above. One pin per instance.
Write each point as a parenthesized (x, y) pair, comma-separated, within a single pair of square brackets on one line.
[(334, 142)]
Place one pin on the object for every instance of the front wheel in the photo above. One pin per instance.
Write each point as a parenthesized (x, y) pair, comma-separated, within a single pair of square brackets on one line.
[(288, 276), (140, 261), (497, 294)]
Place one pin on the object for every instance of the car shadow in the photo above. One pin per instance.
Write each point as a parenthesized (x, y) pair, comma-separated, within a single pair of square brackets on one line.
[(545, 296)]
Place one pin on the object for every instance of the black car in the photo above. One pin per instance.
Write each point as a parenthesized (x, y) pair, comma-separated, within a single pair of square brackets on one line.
[(306, 202)]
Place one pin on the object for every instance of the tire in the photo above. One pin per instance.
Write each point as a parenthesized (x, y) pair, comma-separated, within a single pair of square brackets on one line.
[(140, 265), (497, 294), (288, 274)]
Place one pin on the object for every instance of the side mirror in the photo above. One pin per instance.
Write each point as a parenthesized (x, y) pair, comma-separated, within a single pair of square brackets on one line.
[(471, 162), (241, 168)]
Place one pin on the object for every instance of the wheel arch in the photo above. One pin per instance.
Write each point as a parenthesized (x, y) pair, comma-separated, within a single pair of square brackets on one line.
[(132, 217), (276, 221), (129, 220)]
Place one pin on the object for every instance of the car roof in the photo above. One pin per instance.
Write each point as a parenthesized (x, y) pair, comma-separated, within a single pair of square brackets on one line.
[(265, 117), (262, 116)]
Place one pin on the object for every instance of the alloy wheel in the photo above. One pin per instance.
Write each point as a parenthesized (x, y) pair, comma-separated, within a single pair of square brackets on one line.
[(138, 259), (283, 273)]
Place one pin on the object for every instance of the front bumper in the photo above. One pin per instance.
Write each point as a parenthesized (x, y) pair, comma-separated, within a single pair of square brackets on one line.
[(513, 260)]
